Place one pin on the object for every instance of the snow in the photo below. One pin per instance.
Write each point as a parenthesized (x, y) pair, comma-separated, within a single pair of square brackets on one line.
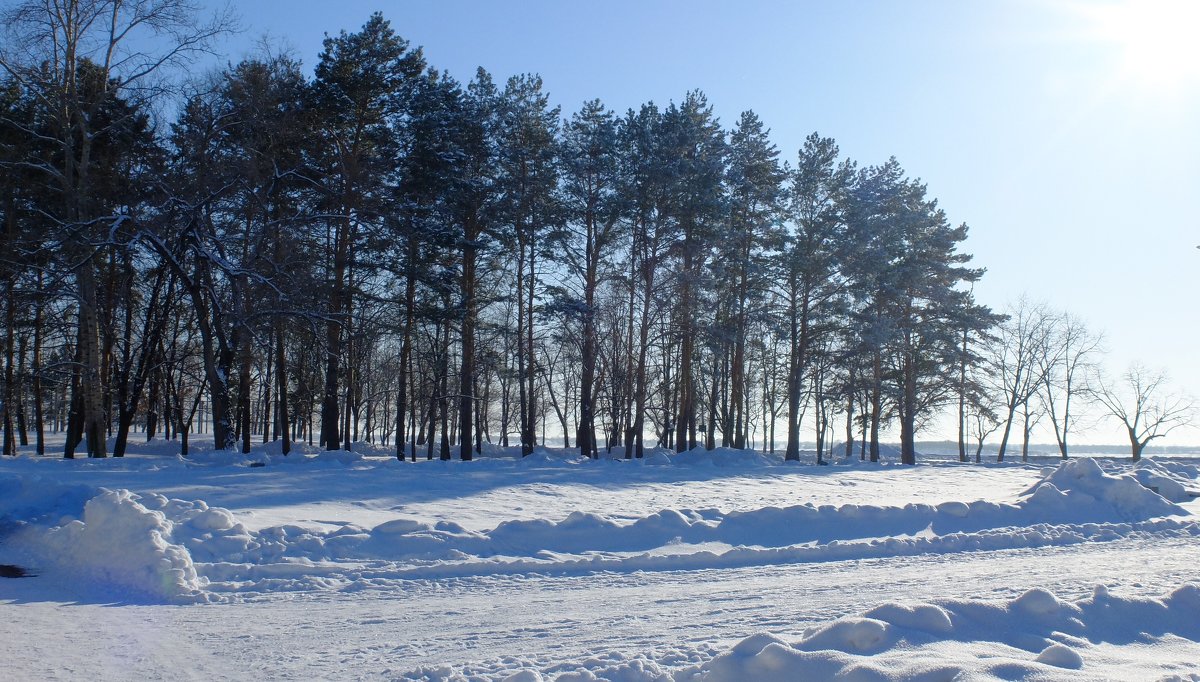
[(720, 565), (1035, 636)]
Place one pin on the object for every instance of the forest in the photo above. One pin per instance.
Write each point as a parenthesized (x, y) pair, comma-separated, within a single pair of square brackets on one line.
[(381, 253)]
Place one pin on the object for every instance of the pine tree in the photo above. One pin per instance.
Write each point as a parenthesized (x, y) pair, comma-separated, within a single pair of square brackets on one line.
[(591, 167), (696, 151), (754, 180), (528, 206), (809, 262), (908, 276), (362, 81)]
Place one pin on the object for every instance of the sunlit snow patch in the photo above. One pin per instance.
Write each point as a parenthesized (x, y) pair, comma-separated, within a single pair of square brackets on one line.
[(1036, 635)]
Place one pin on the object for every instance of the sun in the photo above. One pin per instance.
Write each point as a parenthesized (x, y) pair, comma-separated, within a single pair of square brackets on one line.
[(1157, 42)]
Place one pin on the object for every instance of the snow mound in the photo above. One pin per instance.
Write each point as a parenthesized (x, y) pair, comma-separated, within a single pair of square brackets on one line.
[(1106, 507), (854, 635), (657, 459), (1039, 602), (886, 451), (1162, 480), (1080, 484), (724, 457), (1060, 656), (1035, 635), (120, 545), (171, 549), (542, 456), (926, 617)]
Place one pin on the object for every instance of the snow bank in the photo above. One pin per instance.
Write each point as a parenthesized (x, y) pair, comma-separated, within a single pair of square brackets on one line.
[(1035, 635), (169, 549), (1165, 479), (1078, 491), (1074, 503), (724, 457), (1091, 487), (120, 546)]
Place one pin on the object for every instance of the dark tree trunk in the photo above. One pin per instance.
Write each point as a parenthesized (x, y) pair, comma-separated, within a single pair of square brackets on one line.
[(74, 406), (586, 437), (93, 421), (635, 442), (685, 424), (466, 387), (908, 451), (38, 415), (798, 314), (330, 435), (529, 437), (962, 400), (281, 378), (10, 397)]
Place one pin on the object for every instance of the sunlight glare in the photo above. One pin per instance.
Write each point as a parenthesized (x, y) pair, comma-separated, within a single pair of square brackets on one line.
[(1157, 40)]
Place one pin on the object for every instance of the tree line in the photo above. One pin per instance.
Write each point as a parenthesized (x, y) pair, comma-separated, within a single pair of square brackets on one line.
[(382, 253)]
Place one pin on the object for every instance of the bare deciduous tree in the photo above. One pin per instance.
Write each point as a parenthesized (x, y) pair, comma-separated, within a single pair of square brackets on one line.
[(73, 58), (1145, 405), (1015, 371), (1065, 360)]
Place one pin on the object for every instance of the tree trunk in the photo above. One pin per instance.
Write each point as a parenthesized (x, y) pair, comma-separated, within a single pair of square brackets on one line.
[(798, 327), (634, 442), (403, 408), (281, 377), (908, 450), (38, 415), (466, 386), (876, 413), (443, 399), (93, 422), (10, 398), (962, 400), (529, 438), (330, 435)]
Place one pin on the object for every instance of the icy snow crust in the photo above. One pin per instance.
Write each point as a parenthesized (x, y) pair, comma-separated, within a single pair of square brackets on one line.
[(151, 547)]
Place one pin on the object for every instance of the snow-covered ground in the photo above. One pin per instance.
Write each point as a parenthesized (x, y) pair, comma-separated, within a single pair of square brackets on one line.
[(702, 566)]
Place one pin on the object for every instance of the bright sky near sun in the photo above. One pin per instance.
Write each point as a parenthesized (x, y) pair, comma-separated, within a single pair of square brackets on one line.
[(1063, 132)]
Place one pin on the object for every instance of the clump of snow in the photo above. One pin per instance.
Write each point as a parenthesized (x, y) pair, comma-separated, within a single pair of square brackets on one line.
[(724, 457), (1031, 636), (1080, 483), (658, 459), (854, 635), (927, 617), (1162, 480), (120, 545), (1039, 602), (524, 676), (1060, 656), (542, 456)]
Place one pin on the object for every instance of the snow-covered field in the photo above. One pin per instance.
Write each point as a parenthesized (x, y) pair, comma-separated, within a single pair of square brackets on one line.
[(702, 566)]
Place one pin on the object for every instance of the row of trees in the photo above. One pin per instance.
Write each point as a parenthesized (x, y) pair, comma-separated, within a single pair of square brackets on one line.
[(383, 253)]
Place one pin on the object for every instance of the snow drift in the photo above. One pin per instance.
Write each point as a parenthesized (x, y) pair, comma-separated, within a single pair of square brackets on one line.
[(120, 546), (152, 547), (1033, 636)]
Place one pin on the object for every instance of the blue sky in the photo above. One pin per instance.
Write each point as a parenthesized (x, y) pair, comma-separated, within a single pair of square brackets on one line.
[(1064, 133)]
